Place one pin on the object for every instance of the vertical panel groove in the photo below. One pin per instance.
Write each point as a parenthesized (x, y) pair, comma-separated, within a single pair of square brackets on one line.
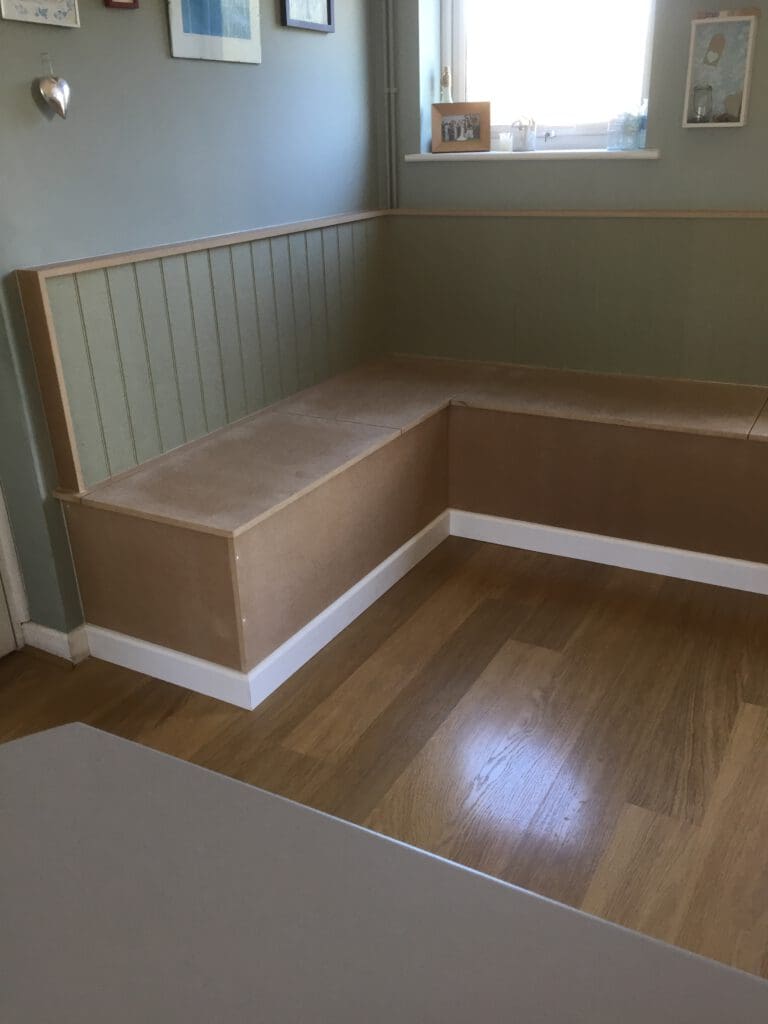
[(293, 311), (197, 345), (237, 324), (328, 347), (217, 330), (173, 352), (315, 370), (357, 302), (315, 373), (293, 305), (93, 376), (344, 312), (143, 325), (121, 367), (258, 323), (277, 321)]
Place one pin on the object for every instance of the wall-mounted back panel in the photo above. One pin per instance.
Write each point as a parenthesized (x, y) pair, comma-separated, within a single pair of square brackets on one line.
[(139, 353), (668, 294)]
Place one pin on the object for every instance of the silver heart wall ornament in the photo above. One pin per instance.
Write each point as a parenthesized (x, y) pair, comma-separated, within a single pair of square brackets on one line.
[(56, 93)]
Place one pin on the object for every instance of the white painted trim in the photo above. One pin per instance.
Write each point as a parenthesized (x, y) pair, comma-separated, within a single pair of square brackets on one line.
[(625, 554), (248, 690), (493, 156), (302, 646), (70, 646), (79, 648), (172, 666), (10, 572)]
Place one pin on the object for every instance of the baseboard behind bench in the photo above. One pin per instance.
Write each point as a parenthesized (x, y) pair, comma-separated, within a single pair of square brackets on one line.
[(248, 690), (624, 554)]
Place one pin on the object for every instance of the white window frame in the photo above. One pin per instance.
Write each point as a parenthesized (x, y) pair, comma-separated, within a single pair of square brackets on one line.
[(553, 138)]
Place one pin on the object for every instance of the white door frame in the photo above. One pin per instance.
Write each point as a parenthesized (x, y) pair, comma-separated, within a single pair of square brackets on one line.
[(12, 580)]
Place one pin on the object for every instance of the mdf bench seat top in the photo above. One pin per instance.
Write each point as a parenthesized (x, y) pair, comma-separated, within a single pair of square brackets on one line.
[(403, 390), (228, 480)]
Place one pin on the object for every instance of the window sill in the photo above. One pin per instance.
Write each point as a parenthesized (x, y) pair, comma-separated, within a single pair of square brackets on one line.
[(546, 154)]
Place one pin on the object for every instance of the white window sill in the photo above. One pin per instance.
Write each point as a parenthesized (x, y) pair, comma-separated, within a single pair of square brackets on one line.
[(540, 154)]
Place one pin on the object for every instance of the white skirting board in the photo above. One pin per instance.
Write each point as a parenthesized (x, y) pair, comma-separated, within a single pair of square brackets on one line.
[(625, 554), (172, 666), (70, 646), (248, 690)]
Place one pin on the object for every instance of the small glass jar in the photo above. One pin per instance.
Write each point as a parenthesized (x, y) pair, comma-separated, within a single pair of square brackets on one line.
[(701, 105)]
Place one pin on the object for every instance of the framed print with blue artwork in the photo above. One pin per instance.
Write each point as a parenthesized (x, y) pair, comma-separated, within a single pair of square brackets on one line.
[(216, 30), (42, 12)]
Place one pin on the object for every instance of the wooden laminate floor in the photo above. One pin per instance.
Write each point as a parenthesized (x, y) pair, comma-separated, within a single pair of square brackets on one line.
[(596, 735)]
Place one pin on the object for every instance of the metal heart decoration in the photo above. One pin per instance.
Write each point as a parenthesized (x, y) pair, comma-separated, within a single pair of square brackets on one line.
[(56, 93)]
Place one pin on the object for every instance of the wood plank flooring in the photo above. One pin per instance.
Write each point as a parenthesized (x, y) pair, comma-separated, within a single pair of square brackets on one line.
[(596, 735)]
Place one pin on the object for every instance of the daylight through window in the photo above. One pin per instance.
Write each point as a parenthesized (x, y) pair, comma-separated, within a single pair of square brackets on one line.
[(580, 71)]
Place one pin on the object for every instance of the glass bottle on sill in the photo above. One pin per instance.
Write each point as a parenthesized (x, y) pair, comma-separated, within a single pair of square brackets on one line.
[(446, 95), (642, 126), (628, 131)]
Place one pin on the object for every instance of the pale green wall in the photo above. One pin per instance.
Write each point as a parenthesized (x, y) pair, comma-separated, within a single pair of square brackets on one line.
[(164, 351), (697, 170), (156, 150), (677, 298), (661, 297)]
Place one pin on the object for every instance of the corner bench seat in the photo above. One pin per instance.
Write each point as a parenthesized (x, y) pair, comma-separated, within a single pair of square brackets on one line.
[(403, 390), (226, 547), (226, 482)]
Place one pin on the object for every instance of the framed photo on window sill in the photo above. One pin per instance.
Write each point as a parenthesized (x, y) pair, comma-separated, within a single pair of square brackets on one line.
[(315, 15), (461, 127)]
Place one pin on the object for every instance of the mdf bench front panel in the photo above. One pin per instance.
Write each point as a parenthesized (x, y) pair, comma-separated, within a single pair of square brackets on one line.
[(680, 490), (233, 600), (297, 562), (159, 582)]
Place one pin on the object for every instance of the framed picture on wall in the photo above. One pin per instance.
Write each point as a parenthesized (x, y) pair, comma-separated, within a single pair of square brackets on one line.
[(719, 72), (461, 127), (226, 30), (63, 13), (316, 15)]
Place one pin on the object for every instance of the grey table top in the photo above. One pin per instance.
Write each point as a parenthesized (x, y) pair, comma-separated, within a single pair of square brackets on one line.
[(138, 888)]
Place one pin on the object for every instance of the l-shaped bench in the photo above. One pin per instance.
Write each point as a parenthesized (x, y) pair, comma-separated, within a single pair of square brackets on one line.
[(227, 563), (229, 514)]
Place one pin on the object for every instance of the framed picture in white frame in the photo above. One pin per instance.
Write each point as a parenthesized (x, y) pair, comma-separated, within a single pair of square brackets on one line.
[(317, 15), (719, 71), (63, 13), (227, 30)]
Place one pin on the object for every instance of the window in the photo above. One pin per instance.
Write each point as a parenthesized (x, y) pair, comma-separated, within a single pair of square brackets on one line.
[(580, 71)]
